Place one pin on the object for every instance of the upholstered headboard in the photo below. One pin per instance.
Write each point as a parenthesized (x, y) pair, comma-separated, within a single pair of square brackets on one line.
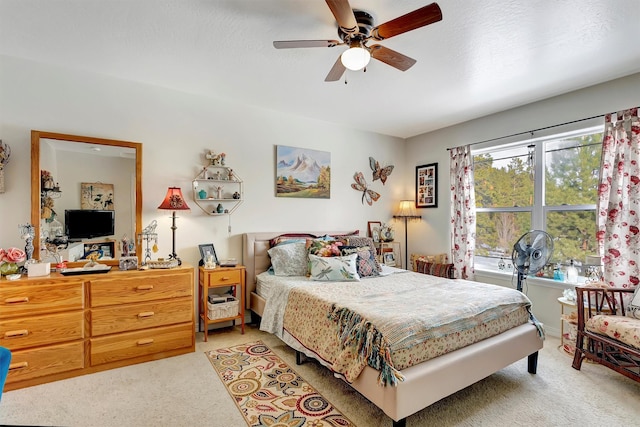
[(256, 259)]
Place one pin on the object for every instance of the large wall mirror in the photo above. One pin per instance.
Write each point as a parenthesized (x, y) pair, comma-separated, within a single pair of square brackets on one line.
[(78, 184)]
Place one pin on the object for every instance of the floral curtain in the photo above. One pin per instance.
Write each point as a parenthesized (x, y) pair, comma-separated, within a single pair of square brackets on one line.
[(463, 212), (618, 221)]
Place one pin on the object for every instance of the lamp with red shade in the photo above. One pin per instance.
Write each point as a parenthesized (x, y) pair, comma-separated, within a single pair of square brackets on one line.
[(174, 201)]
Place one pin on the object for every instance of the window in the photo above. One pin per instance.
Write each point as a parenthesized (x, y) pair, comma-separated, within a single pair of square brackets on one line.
[(544, 184)]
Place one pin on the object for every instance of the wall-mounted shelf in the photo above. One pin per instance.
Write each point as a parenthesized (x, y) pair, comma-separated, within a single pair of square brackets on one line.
[(207, 196)]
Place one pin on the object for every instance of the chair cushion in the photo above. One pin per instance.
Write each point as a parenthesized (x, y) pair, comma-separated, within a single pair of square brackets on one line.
[(621, 328)]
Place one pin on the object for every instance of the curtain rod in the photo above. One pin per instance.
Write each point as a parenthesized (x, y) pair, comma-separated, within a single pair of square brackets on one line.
[(531, 131)]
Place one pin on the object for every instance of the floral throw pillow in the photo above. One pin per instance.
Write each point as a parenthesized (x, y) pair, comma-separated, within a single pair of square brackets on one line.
[(365, 262), (321, 247), (289, 259), (334, 269)]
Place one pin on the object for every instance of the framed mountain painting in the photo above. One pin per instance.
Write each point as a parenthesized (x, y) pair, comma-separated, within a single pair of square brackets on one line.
[(301, 172)]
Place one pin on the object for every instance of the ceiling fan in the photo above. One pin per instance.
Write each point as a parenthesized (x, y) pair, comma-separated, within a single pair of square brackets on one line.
[(356, 28)]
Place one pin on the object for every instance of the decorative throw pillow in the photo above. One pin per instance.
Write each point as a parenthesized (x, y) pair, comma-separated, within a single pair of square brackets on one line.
[(435, 269), (634, 306), (289, 259), (323, 247), (368, 242), (334, 269), (365, 263)]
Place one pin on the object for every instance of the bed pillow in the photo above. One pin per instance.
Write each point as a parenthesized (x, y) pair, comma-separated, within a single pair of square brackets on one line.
[(366, 264), (290, 237), (334, 269), (289, 259), (368, 242)]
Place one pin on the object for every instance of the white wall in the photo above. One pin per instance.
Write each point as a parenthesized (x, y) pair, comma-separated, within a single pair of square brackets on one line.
[(432, 235), (176, 129)]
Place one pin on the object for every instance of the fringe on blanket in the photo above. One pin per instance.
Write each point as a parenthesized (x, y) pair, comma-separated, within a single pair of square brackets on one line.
[(536, 323), (369, 343)]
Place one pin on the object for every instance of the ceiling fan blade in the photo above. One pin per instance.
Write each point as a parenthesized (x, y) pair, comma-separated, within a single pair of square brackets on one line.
[(391, 57), (418, 18), (290, 44), (336, 71), (343, 13)]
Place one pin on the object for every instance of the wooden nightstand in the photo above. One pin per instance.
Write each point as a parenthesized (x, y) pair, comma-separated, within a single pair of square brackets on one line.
[(221, 277)]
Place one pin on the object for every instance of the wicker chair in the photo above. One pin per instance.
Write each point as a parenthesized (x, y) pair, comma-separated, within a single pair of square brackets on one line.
[(604, 310)]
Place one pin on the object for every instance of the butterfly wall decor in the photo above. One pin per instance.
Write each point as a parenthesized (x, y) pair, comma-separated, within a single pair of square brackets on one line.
[(378, 172), (369, 196)]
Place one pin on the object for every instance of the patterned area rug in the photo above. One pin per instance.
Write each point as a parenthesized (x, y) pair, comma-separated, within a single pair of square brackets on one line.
[(268, 392)]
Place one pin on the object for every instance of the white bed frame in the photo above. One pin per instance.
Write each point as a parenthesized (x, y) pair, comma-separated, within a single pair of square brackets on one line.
[(427, 382)]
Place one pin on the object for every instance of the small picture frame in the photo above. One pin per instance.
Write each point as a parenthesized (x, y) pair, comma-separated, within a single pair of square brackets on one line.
[(389, 259), (206, 250), (373, 230), (427, 186), (128, 263)]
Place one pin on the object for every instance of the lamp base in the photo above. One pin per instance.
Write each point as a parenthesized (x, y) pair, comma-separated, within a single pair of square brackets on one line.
[(175, 256)]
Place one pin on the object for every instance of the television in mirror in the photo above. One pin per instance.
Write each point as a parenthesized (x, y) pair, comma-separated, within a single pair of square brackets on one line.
[(88, 224)]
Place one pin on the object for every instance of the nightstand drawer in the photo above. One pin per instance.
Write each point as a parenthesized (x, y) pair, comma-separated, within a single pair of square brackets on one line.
[(105, 292), (54, 359), (133, 317), (29, 300), (222, 277), (142, 343), (41, 330)]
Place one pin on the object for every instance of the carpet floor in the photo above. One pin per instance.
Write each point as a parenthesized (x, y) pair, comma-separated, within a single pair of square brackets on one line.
[(185, 391)]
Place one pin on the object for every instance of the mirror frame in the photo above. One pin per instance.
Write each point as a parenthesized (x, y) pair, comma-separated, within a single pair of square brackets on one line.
[(36, 136)]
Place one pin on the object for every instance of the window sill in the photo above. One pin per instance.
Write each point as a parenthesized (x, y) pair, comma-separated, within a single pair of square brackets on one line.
[(530, 280)]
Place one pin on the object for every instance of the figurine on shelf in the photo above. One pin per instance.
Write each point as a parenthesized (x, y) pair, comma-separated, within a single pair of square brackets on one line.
[(230, 174), (125, 246), (236, 195), (213, 158), (222, 156), (219, 191)]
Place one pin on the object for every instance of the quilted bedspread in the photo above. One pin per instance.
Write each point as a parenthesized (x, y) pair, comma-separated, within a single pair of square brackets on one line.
[(390, 322)]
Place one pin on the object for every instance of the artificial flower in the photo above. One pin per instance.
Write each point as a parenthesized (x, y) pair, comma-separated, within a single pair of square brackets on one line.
[(12, 255)]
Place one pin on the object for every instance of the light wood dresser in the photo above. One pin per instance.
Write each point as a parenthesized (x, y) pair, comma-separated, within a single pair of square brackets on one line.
[(63, 326)]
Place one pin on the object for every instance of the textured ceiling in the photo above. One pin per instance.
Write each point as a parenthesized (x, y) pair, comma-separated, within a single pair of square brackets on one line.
[(483, 57)]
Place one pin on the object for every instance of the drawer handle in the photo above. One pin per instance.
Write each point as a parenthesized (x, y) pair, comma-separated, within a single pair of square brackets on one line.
[(146, 314), (225, 278), (16, 300), (144, 287), (14, 334), (145, 341), (19, 365)]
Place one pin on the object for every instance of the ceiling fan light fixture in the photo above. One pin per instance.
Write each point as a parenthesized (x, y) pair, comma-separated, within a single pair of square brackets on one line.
[(355, 58)]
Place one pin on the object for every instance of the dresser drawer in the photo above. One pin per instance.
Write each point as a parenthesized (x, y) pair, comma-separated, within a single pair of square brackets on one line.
[(23, 300), (54, 359), (138, 288), (128, 345), (34, 331), (132, 317), (232, 277)]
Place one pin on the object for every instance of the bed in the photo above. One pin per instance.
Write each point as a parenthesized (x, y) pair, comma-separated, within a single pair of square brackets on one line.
[(416, 386)]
